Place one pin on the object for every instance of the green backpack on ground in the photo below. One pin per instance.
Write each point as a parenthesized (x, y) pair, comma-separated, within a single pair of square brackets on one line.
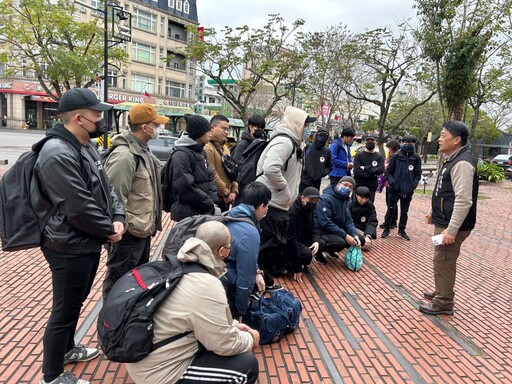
[(354, 258)]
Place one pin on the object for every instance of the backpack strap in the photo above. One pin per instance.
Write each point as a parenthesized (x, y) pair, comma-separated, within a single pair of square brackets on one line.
[(187, 268), (294, 150)]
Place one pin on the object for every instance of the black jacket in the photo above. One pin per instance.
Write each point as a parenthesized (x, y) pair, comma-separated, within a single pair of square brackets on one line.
[(317, 164), (193, 183), (71, 177), (403, 173), (373, 164), (245, 140), (365, 217), (300, 230)]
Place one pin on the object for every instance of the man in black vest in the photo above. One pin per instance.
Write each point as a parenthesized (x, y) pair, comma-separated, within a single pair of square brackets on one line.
[(453, 213)]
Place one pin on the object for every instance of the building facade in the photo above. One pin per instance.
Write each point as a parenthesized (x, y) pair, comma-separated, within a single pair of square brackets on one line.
[(157, 72)]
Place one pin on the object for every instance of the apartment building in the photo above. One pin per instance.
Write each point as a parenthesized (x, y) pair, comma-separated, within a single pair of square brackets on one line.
[(158, 73)]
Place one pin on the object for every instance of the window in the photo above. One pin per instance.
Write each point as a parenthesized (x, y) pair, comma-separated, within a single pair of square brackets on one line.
[(99, 8), (174, 89), (144, 20), (162, 25), (186, 7), (170, 3), (113, 77), (144, 53), (176, 31), (3, 69), (159, 85), (179, 4), (176, 61), (143, 83), (211, 100)]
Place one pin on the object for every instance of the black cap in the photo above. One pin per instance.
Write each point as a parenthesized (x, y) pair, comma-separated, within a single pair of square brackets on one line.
[(79, 98), (371, 136), (311, 192), (197, 126), (310, 119)]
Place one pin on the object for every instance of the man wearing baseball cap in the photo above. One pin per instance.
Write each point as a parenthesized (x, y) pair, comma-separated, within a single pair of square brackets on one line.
[(368, 165), (134, 172), (84, 214)]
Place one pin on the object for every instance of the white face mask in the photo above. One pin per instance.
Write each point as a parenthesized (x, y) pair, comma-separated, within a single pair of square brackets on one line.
[(156, 132)]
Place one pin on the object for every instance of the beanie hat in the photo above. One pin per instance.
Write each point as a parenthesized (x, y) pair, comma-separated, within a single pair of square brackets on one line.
[(349, 179), (311, 192), (197, 126)]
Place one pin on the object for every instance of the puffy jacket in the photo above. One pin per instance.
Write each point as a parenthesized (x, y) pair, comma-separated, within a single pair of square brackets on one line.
[(197, 304), (135, 175), (340, 159), (70, 175), (364, 217), (317, 162), (242, 262), (332, 214), (280, 175), (193, 184), (300, 230), (403, 173), (224, 184), (245, 140)]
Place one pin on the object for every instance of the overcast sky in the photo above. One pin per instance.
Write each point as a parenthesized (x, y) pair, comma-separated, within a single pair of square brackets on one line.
[(358, 15)]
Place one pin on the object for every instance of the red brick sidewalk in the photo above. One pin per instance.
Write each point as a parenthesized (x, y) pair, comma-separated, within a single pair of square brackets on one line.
[(359, 327)]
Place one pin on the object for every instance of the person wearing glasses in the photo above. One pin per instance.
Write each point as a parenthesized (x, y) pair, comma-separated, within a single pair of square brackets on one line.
[(218, 349), (134, 172), (216, 151)]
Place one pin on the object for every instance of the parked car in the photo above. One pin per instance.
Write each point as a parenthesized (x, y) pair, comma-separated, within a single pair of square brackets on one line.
[(508, 173), (504, 161), (162, 147)]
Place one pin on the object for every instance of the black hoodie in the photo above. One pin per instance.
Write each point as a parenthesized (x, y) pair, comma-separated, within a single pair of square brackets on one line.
[(317, 163)]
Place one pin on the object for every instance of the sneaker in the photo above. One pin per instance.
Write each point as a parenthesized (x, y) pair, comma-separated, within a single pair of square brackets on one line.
[(65, 378), (382, 226), (403, 235), (273, 287), (385, 233), (80, 353), (319, 258), (333, 255)]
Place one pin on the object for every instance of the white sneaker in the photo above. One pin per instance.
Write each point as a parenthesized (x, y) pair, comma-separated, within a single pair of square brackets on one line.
[(65, 378), (80, 353)]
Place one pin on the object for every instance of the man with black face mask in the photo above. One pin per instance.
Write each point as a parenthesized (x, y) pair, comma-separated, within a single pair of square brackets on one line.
[(255, 130), (86, 214), (317, 163), (368, 165), (302, 241)]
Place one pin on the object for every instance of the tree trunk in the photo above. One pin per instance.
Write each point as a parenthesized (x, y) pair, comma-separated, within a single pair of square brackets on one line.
[(456, 112)]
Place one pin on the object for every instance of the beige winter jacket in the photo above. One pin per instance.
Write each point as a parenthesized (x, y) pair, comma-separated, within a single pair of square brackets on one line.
[(283, 181), (224, 185), (198, 304)]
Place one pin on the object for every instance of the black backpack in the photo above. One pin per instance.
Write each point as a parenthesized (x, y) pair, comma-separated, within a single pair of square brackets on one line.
[(20, 227), (125, 323), (187, 227), (167, 176), (251, 155)]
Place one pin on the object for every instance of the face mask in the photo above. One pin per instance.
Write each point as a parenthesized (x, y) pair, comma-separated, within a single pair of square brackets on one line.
[(310, 206), (101, 128), (370, 146), (156, 132), (322, 139), (307, 133), (343, 191), (408, 147), (258, 134)]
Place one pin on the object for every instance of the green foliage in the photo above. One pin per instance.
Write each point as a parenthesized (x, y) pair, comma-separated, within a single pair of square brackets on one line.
[(45, 37), (491, 172)]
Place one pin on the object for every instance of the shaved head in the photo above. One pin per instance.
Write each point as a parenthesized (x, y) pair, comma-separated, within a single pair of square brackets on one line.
[(213, 233)]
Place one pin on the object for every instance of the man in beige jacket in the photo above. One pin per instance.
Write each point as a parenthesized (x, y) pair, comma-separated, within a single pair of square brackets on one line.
[(218, 349)]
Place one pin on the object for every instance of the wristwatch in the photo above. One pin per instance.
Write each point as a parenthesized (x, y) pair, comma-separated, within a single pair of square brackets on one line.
[(259, 272)]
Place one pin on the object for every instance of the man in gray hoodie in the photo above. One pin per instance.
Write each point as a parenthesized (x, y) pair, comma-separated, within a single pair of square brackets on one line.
[(280, 167)]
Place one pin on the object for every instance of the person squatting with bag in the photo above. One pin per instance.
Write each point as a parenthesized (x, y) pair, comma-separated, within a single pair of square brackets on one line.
[(218, 349), (87, 214), (364, 216)]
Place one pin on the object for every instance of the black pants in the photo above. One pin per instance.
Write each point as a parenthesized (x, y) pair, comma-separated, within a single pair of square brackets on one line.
[(274, 228), (72, 278), (334, 243), (315, 183), (394, 219), (123, 256), (207, 367), (334, 180), (405, 202)]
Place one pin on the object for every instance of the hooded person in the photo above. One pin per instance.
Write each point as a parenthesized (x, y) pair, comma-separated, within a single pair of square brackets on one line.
[(279, 168), (333, 220), (194, 191), (368, 165), (317, 161), (255, 131)]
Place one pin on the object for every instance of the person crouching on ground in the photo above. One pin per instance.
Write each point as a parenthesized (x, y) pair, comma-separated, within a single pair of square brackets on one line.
[(364, 215), (333, 220), (218, 349)]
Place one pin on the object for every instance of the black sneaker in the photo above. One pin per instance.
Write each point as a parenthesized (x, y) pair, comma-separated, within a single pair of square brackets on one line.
[(273, 287), (385, 233), (319, 258), (333, 255), (403, 235)]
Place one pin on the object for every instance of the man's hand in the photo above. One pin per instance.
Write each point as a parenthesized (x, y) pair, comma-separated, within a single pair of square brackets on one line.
[(260, 282), (118, 232), (448, 238), (428, 218), (232, 197), (314, 248), (242, 327), (255, 337), (297, 277), (350, 165), (351, 240)]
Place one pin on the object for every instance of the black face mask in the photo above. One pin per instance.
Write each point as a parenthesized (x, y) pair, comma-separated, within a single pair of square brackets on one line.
[(310, 206), (370, 146), (258, 133), (101, 128), (321, 138)]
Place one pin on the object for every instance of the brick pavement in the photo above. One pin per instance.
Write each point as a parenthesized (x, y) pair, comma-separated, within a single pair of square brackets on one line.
[(359, 327)]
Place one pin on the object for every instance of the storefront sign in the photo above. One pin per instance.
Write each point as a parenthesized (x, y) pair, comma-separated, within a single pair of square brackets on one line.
[(175, 103), (5, 85)]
